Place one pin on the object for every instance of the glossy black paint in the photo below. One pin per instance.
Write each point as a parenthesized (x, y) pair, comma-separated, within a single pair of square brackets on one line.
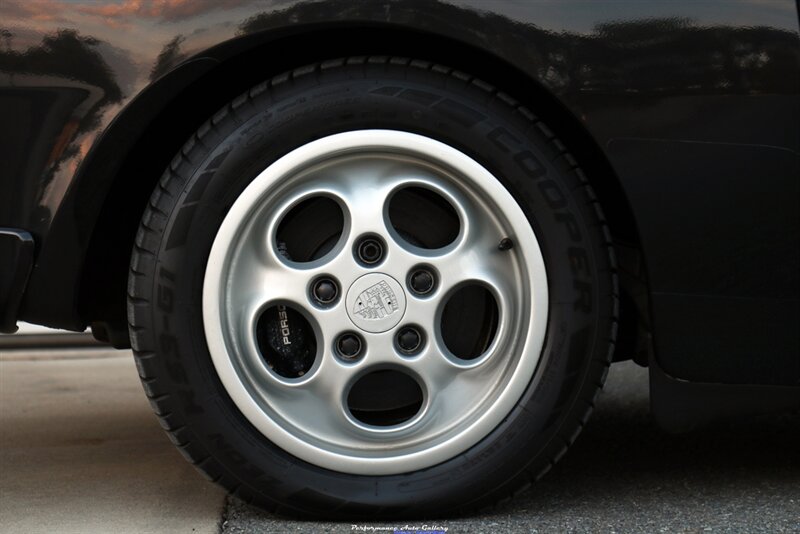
[(684, 115)]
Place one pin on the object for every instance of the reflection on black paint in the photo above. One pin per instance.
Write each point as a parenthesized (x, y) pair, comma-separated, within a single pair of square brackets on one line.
[(657, 55), (59, 90), (674, 54), (169, 57), (68, 54)]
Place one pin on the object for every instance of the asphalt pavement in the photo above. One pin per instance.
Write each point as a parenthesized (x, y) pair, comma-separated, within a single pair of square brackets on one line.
[(625, 475), (80, 451)]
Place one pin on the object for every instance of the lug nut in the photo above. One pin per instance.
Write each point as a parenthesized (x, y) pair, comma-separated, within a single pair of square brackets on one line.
[(370, 251), (421, 281), (324, 291), (409, 340), (349, 346)]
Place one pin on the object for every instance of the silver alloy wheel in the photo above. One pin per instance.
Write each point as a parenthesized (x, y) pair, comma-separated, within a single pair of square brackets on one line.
[(462, 399)]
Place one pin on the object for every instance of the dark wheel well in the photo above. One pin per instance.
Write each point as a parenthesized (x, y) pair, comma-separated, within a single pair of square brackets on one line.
[(136, 168)]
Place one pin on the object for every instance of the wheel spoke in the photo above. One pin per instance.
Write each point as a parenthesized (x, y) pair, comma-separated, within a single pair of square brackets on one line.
[(449, 385), (318, 401), (480, 260), (435, 370), (364, 187), (454, 386)]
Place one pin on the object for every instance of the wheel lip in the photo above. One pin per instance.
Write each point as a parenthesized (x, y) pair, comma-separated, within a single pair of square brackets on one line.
[(390, 141)]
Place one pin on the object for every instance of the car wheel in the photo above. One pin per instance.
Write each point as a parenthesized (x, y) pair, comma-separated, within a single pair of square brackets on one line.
[(373, 287)]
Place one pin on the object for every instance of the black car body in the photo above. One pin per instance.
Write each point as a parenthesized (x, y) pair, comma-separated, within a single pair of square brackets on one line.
[(685, 115)]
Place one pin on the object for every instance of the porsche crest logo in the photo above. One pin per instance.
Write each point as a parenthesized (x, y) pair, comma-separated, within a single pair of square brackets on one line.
[(376, 302)]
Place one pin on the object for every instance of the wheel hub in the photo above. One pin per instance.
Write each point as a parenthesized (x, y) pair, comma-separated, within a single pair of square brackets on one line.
[(376, 302)]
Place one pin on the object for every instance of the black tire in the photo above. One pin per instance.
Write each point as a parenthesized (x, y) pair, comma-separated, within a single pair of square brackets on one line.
[(221, 159)]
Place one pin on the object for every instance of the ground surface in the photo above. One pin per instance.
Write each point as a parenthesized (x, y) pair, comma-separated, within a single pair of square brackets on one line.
[(81, 452), (625, 475)]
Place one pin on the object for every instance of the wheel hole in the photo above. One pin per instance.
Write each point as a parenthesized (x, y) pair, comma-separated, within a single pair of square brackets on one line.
[(423, 218), (385, 398), (469, 321), (310, 229), (286, 341)]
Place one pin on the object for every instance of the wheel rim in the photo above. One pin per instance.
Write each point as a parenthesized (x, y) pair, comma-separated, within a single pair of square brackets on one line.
[(320, 409)]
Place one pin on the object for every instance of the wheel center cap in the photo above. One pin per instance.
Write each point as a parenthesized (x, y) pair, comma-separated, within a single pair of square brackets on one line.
[(376, 302)]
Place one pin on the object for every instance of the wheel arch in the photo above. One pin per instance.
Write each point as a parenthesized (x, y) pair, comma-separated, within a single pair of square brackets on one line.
[(129, 158)]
